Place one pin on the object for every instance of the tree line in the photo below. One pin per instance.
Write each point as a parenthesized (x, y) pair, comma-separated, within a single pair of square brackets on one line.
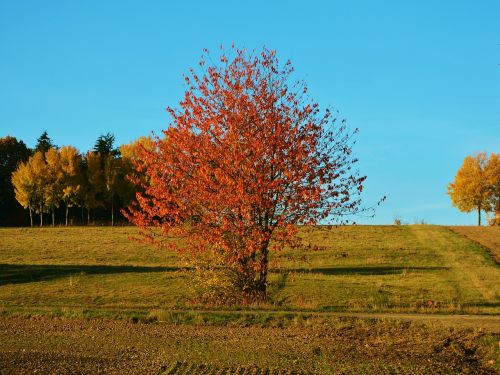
[(59, 185)]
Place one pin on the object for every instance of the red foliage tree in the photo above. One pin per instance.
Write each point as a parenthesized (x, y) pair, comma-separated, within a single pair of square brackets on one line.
[(247, 158)]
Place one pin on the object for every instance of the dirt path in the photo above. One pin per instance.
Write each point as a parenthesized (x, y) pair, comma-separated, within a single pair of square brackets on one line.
[(488, 323)]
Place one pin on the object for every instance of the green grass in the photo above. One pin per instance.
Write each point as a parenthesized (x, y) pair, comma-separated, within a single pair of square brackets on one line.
[(98, 270)]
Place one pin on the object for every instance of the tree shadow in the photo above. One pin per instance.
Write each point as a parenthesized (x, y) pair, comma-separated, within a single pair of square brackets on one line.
[(27, 273), (369, 270)]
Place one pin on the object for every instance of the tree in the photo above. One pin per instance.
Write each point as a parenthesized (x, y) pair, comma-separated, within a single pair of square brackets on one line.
[(93, 183), (131, 180), (24, 186), (493, 178), (44, 143), (12, 153), (110, 165), (72, 177), (53, 181), (247, 158), (470, 189), (30, 184), (111, 173), (104, 145)]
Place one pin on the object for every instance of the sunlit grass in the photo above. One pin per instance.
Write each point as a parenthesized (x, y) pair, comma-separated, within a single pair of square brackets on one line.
[(357, 269)]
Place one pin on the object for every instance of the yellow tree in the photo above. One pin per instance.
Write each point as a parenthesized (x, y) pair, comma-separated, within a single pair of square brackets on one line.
[(30, 180), (493, 178), (72, 177), (54, 181), (24, 187), (39, 168), (470, 190), (131, 179), (94, 183), (111, 171)]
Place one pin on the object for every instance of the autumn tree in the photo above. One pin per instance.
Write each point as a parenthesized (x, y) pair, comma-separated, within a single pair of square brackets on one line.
[(93, 183), (131, 179), (493, 179), (12, 153), (72, 181), (112, 170), (53, 181), (24, 186), (248, 157), (470, 190), (30, 184)]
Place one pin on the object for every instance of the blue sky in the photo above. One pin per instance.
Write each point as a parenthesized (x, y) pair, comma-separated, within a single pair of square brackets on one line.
[(420, 79)]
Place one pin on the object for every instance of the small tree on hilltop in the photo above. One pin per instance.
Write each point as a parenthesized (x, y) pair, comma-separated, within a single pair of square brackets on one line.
[(247, 158), (475, 187)]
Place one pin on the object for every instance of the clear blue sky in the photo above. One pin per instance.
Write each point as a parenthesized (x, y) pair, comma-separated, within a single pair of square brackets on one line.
[(421, 79)]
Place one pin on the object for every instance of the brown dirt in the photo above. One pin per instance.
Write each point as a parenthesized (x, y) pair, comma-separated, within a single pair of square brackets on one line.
[(64, 346)]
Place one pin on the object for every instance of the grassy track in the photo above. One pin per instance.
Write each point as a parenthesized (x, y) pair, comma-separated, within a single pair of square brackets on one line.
[(78, 271)]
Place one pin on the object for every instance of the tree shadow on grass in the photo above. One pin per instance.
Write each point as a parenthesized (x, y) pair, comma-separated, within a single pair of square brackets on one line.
[(27, 273), (369, 270)]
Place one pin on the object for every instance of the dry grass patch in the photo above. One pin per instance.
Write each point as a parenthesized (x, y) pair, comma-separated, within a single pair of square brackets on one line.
[(489, 237)]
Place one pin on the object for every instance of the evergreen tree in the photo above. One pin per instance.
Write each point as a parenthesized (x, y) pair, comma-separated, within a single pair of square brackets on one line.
[(105, 146), (44, 143)]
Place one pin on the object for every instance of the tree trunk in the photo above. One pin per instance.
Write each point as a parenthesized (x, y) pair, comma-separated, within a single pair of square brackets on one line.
[(67, 215), (41, 215), (479, 216), (31, 216), (88, 216), (112, 212), (262, 282), (53, 217)]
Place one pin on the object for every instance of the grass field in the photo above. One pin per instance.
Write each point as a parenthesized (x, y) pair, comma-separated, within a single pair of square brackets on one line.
[(376, 272), (357, 269)]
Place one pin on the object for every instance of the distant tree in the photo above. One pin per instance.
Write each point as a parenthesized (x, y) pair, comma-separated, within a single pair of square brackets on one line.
[(53, 181), (25, 187), (470, 189), (30, 183), (493, 178), (247, 158), (131, 179), (93, 186), (12, 153), (72, 182), (44, 143), (112, 173), (110, 169), (104, 146)]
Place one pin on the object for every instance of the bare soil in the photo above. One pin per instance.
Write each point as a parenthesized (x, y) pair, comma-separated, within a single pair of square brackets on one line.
[(77, 346)]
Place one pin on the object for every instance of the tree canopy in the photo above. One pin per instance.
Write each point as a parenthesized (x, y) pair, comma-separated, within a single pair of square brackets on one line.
[(247, 157), (54, 180), (476, 186)]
